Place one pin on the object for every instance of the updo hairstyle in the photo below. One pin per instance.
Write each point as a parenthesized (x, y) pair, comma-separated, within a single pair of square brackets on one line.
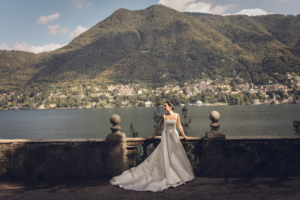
[(171, 104)]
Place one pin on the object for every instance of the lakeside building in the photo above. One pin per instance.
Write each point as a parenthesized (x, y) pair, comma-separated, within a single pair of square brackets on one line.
[(147, 104), (274, 87), (96, 94), (124, 103), (243, 87), (256, 102), (73, 88)]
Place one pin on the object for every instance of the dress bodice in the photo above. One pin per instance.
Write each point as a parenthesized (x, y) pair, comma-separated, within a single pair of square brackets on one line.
[(170, 124)]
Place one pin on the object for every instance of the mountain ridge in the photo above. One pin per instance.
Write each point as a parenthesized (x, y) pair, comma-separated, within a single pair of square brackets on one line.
[(142, 45)]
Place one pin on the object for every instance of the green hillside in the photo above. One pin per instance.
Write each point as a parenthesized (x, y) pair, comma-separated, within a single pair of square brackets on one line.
[(143, 45), (264, 40)]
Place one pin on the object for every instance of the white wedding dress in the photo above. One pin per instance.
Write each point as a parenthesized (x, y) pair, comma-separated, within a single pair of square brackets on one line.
[(167, 166)]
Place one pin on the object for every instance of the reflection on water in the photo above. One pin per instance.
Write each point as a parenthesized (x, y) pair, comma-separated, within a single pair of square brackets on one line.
[(94, 123)]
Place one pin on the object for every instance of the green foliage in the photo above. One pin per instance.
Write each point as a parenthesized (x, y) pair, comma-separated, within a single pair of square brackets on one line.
[(133, 133), (157, 117), (185, 126), (296, 124), (141, 104), (186, 122)]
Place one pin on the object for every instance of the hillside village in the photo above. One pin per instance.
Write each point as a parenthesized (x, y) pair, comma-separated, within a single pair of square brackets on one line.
[(198, 93)]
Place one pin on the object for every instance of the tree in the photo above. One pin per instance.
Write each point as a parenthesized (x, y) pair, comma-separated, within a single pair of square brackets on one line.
[(157, 116), (13, 98), (224, 99), (141, 104), (186, 123), (133, 133), (185, 126), (296, 124)]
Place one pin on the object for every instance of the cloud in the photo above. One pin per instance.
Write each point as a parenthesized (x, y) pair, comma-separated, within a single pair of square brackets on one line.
[(52, 30), (221, 9), (45, 19), (64, 30), (79, 4), (5, 46), (34, 49), (252, 12), (284, 1), (193, 6), (78, 31)]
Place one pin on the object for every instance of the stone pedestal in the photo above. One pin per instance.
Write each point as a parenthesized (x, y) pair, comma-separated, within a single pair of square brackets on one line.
[(116, 159), (214, 133)]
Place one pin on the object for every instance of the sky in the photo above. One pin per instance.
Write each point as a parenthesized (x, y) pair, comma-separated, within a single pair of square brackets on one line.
[(41, 26)]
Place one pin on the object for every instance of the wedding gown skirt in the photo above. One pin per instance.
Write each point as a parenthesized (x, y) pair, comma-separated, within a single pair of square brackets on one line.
[(167, 166)]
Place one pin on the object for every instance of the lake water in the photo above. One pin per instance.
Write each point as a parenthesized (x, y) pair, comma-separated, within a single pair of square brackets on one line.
[(94, 123)]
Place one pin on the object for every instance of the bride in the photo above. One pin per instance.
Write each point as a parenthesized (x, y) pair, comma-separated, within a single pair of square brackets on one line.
[(167, 166)]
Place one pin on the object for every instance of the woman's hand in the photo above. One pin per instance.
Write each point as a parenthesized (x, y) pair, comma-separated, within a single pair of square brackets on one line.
[(185, 138), (153, 136)]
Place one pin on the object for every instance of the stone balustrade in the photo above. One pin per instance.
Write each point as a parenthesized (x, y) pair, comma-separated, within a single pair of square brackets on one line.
[(215, 155), (132, 143), (196, 143)]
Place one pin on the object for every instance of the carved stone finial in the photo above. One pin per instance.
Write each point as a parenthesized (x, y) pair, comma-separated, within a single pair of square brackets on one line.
[(214, 116), (115, 120), (115, 135), (214, 133)]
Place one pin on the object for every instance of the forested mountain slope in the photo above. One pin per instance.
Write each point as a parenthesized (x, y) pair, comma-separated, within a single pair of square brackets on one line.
[(143, 45)]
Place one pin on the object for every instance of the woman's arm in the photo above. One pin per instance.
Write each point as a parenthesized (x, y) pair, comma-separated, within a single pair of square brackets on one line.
[(159, 126), (180, 127)]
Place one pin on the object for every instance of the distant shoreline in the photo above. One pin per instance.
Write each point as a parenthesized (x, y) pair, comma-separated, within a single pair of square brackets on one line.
[(147, 107)]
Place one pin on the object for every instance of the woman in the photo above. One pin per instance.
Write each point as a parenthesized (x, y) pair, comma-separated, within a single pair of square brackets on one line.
[(167, 166)]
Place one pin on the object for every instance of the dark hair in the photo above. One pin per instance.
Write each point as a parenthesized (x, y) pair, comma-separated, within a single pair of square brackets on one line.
[(171, 104)]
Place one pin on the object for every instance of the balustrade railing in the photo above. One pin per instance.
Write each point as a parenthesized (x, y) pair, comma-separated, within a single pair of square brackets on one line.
[(195, 142), (132, 144)]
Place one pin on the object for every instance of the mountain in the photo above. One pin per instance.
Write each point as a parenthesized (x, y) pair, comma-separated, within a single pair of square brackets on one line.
[(143, 45)]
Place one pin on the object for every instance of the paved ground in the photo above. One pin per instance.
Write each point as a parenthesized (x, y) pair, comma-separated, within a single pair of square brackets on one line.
[(200, 188)]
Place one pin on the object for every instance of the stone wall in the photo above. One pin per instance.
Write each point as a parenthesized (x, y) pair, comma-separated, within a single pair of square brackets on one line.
[(94, 158), (250, 156), (59, 159)]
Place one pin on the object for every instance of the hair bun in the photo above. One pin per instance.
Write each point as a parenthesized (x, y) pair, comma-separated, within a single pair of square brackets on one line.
[(172, 102)]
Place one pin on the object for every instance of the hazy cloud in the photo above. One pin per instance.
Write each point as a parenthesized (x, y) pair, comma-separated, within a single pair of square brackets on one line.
[(64, 30), (79, 4), (45, 19), (193, 6), (34, 49), (252, 12), (78, 31), (284, 1), (52, 30), (5, 46)]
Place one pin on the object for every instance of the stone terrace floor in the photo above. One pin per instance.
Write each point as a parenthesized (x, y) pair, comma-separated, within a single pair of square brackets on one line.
[(200, 188)]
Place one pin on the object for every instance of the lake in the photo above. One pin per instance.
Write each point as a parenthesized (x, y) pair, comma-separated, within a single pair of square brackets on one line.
[(247, 120)]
